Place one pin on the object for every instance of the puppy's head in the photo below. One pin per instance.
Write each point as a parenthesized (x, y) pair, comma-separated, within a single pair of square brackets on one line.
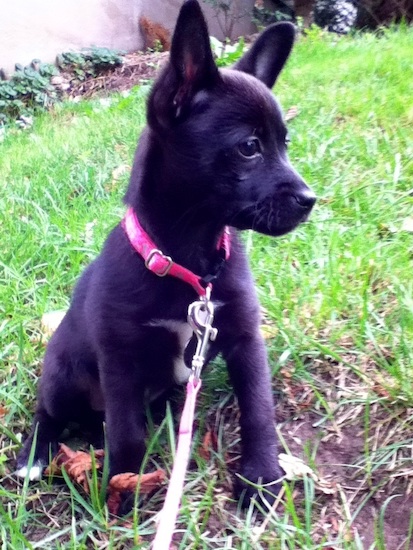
[(221, 132)]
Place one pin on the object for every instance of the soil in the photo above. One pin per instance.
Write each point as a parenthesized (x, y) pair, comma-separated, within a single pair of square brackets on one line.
[(336, 460)]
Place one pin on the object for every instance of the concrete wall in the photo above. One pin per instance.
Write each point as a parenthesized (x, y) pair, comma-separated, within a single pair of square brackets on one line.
[(42, 29)]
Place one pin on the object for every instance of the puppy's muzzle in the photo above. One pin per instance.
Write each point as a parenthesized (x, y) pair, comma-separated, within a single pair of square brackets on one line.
[(305, 199)]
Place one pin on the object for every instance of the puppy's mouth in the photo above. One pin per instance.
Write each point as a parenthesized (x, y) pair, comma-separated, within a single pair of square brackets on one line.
[(272, 217)]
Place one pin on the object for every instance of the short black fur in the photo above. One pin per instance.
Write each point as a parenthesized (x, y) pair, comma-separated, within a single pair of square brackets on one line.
[(213, 154)]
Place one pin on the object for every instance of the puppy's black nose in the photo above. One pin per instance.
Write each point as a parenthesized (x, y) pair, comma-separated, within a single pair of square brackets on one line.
[(306, 199)]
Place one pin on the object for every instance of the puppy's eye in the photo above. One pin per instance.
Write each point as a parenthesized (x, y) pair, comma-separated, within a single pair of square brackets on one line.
[(250, 148)]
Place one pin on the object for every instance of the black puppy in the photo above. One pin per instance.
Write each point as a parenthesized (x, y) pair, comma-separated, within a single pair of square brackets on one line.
[(213, 154)]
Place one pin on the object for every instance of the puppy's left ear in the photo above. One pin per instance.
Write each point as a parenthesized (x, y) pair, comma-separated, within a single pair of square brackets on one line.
[(268, 55), (191, 67)]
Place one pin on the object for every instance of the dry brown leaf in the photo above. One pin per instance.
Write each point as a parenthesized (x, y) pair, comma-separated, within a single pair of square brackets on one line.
[(286, 373), (75, 463), (128, 482), (334, 524), (124, 523), (113, 502), (210, 443), (381, 391), (3, 411)]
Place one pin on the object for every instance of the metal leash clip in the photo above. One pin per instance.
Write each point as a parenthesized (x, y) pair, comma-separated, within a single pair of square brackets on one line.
[(200, 319)]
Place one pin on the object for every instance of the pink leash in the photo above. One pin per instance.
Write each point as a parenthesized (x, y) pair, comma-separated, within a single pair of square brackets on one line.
[(170, 508)]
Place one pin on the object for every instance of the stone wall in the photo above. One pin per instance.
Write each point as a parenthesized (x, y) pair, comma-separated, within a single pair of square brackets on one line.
[(41, 29)]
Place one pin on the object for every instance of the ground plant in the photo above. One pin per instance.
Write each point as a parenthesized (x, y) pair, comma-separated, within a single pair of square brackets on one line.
[(28, 91), (35, 88), (89, 63), (337, 298)]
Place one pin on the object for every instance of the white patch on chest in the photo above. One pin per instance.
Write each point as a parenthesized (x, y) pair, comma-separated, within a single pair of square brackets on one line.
[(183, 333)]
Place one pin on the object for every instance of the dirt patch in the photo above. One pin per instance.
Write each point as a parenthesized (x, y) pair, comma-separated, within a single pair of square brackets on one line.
[(371, 504), (345, 424)]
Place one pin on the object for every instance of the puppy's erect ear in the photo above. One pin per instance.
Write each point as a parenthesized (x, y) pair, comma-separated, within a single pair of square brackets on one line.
[(268, 55), (191, 67), (191, 55)]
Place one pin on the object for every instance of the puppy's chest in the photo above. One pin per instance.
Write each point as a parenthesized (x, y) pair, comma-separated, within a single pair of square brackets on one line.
[(182, 333), (185, 345)]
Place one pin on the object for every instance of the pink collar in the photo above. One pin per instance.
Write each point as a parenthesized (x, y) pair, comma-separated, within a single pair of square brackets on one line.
[(162, 265)]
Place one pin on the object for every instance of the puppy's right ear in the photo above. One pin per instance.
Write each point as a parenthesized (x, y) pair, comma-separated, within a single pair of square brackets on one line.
[(191, 68)]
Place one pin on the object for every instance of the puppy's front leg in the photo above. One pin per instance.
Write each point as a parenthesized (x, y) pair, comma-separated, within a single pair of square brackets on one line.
[(124, 414), (250, 375)]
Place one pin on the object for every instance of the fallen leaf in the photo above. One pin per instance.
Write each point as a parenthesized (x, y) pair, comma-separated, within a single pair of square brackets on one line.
[(3, 411), (291, 113), (50, 321), (89, 227), (286, 373), (408, 225), (268, 328), (269, 331), (113, 502), (209, 443), (124, 523), (119, 171), (380, 390), (128, 482), (117, 174), (334, 524), (294, 467), (349, 534), (326, 487), (75, 463)]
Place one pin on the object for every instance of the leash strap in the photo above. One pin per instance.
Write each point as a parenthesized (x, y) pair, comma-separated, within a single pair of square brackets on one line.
[(170, 508)]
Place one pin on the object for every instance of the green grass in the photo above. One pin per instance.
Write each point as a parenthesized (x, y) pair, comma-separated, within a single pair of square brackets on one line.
[(337, 293)]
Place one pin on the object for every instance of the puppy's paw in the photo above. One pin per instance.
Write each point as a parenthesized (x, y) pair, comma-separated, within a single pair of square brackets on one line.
[(34, 473), (262, 487)]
